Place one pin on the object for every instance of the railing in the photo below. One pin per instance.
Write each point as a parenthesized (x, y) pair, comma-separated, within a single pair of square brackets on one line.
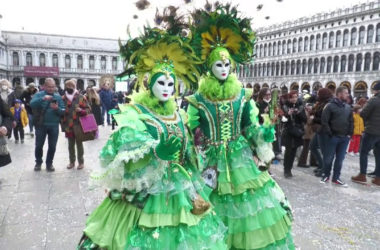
[(73, 70)]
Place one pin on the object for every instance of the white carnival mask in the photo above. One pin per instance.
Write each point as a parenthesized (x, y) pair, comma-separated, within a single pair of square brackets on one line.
[(221, 69), (163, 88)]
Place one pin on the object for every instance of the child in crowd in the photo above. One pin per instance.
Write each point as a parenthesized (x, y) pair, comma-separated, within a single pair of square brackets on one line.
[(358, 130), (21, 118)]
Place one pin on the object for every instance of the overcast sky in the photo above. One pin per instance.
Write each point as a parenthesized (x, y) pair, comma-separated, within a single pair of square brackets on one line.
[(109, 19)]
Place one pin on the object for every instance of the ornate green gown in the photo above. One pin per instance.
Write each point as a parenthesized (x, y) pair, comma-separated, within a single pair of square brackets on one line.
[(249, 201), (151, 203)]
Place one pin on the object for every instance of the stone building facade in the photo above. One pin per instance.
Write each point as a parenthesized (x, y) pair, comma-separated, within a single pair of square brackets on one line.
[(324, 50), (30, 57)]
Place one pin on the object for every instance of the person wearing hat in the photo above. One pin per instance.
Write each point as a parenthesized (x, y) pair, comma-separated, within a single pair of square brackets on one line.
[(371, 137), (21, 118), (26, 97)]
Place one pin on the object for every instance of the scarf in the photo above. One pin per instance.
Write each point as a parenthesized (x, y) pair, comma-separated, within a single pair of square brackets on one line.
[(70, 97)]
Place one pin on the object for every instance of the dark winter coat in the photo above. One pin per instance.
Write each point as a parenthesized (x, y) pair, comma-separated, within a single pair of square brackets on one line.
[(262, 105), (106, 96), (371, 115), (6, 122), (96, 111), (296, 121), (26, 97), (337, 119)]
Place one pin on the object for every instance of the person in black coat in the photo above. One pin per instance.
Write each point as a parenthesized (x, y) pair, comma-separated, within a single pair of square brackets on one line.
[(293, 130), (5, 129), (95, 104), (26, 97)]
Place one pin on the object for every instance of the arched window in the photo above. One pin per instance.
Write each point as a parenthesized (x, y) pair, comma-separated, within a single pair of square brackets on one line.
[(103, 64), (268, 69), (345, 38), (298, 71), (304, 66), (284, 47), (272, 70), (306, 44), (294, 45), (261, 50), (80, 62), (15, 59), (274, 48), (338, 39), (361, 34), (282, 68), (91, 62), (351, 60), (319, 42), (331, 40), (42, 60), (270, 49), (329, 63), (114, 63), (264, 69), (312, 42), (255, 71), (376, 61), (293, 67), (265, 50), (310, 66), (323, 64), (378, 32), (316, 65), (324, 41), (300, 44), (287, 68), (343, 62), (353, 36), (359, 61), (370, 32), (67, 62), (289, 47), (367, 62), (277, 68), (336, 64), (55, 60), (279, 48), (29, 59)]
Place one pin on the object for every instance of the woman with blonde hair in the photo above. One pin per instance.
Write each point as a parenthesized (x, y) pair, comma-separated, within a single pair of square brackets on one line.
[(95, 104)]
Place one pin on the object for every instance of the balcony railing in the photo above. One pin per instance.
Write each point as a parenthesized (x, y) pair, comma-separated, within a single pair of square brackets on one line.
[(73, 70)]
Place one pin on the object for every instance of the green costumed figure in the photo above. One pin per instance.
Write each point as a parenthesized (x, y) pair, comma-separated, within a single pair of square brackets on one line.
[(250, 203), (157, 198)]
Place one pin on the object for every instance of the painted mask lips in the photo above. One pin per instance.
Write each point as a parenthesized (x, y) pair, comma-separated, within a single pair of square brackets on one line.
[(165, 95), (224, 74)]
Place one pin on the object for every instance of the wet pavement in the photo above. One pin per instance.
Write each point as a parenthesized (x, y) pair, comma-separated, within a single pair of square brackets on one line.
[(41, 210)]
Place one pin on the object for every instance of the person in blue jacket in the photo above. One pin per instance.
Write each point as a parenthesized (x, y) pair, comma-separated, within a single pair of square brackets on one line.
[(106, 97), (48, 108)]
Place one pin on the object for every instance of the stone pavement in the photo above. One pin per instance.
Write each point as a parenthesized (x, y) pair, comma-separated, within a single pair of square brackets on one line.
[(48, 210)]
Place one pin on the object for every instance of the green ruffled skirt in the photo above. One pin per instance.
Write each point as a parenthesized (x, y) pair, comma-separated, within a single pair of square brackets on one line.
[(164, 223), (249, 202)]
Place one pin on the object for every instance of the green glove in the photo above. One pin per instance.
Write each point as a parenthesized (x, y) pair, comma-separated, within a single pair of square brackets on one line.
[(166, 150)]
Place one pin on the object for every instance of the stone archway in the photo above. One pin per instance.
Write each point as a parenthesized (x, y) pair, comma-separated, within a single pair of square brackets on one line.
[(265, 85), (295, 86), (16, 81), (347, 85), (316, 86), (41, 81), (273, 85), (91, 83), (331, 86), (256, 88), (29, 80), (80, 84), (305, 86), (360, 89), (373, 84), (284, 89), (249, 86)]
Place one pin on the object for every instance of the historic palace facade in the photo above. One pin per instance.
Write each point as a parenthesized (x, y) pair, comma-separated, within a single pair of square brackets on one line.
[(329, 50), (30, 57)]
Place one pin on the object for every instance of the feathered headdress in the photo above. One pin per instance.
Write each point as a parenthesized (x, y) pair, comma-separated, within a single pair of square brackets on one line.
[(220, 34), (157, 52)]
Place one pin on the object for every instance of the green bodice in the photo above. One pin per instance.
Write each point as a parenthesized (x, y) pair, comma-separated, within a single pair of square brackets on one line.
[(222, 120), (169, 125)]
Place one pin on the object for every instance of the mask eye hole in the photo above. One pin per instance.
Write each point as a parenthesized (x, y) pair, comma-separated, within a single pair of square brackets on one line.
[(161, 83), (170, 84), (227, 65), (219, 65)]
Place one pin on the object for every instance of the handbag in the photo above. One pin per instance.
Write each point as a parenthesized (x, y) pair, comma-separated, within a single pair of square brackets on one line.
[(88, 123), (295, 130), (80, 135)]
